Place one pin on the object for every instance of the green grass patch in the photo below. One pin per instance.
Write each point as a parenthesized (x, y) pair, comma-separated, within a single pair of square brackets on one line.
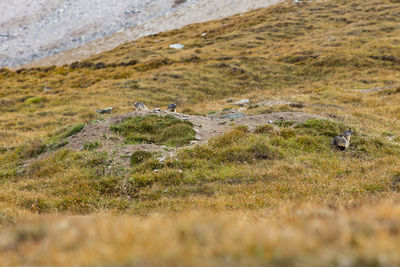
[(73, 130), (34, 100), (57, 139), (153, 129), (90, 145), (321, 127)]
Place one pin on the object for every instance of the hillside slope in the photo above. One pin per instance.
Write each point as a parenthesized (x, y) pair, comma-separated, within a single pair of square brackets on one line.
[(32, 31), (274, 194)]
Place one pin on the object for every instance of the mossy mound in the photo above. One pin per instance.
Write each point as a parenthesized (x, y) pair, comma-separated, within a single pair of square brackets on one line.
[(153, 129)]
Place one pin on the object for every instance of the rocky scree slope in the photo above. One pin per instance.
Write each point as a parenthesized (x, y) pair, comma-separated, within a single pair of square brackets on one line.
[(41, 28)]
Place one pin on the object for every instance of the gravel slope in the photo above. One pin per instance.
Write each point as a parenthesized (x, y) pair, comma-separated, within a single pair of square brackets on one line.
[(36, 29)]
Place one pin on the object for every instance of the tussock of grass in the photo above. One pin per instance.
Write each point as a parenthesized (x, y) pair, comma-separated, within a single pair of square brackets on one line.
[(73, 130), (153, 129), (90, 145), (321, 127), (265, 129), (140, 156)]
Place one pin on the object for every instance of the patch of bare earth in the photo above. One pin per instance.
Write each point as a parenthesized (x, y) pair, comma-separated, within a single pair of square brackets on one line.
[(206, 128)]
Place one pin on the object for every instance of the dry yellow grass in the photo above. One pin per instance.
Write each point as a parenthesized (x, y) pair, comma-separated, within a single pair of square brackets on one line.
[(293, 235), (311, 206)]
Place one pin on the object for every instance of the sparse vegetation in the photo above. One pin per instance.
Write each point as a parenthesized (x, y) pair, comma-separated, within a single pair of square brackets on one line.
[(274, 195)]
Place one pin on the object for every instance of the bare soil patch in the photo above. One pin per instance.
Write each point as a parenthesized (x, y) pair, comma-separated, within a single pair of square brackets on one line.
[(205, 127)]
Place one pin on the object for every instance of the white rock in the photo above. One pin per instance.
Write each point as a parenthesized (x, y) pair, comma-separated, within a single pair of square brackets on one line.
[(177, 46), (242, 102)]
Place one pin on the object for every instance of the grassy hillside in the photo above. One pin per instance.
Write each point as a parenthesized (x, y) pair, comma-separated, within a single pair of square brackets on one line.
[(277, 195)]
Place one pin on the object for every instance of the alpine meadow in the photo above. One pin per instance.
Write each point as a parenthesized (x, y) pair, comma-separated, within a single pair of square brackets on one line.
[(244, 173)]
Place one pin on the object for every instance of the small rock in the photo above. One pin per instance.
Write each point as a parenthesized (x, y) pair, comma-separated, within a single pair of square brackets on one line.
[(156, 110), (233, 116), (270, 122), (193, 142), (197, 138), (162, 159), (242, 102), (105, 111), (204, 34), (177, 46), (196, 130), (156, 171), (180, 171)]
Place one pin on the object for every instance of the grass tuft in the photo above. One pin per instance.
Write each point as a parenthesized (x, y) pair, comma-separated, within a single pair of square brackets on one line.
[(34, 100), (321, 127), (138, 157), (153, 129)]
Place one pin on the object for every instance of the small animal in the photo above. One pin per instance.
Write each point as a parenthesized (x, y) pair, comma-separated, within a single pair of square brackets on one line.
[(342, 141), (172, 107), (140, 106)]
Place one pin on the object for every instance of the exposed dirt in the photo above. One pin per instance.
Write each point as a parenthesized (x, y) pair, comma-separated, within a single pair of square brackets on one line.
[(205, 127)]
